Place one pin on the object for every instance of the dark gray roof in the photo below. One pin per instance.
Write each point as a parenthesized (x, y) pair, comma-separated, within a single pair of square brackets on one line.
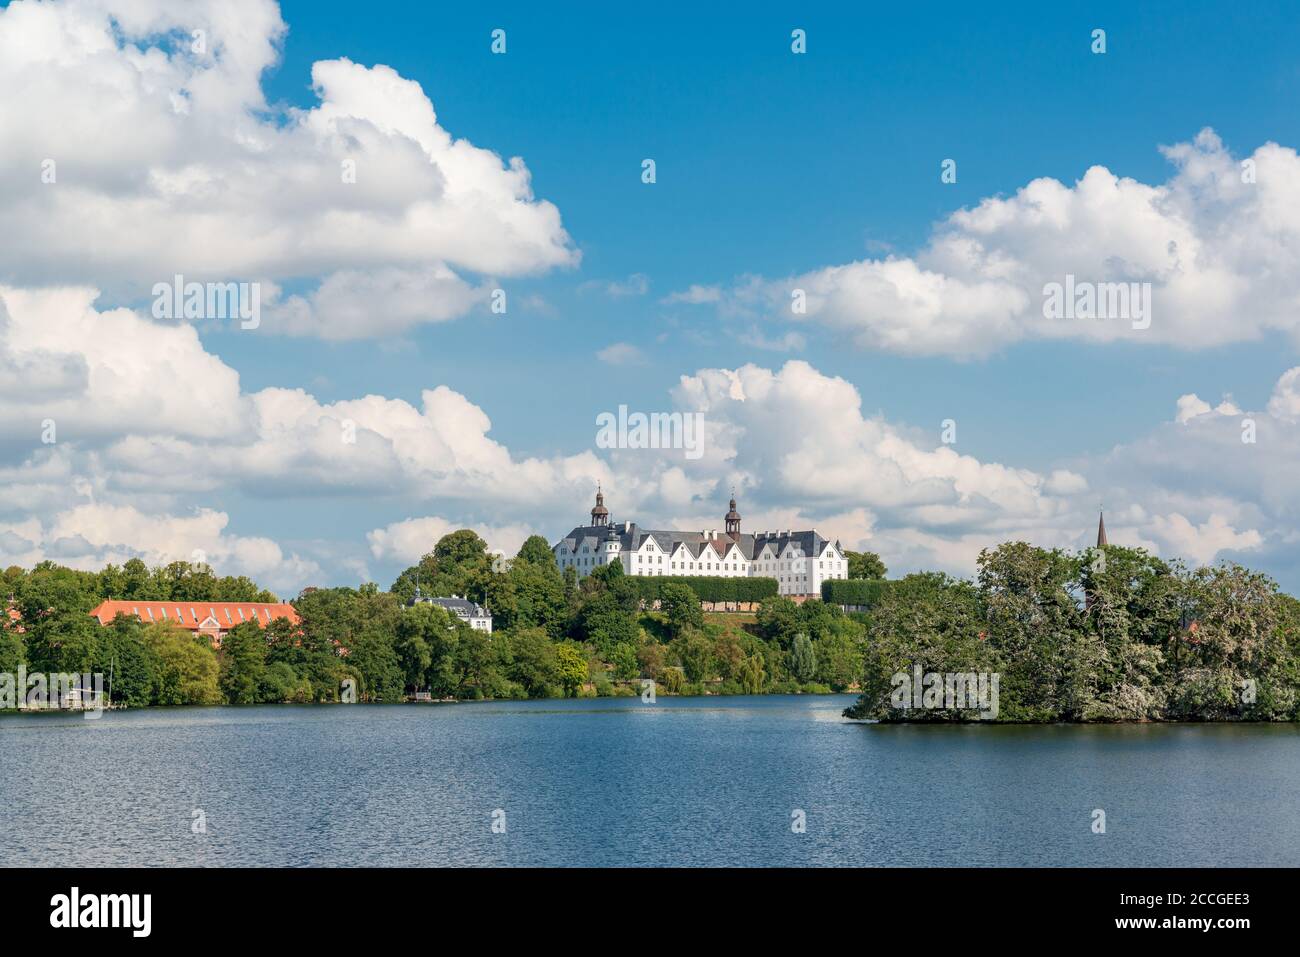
[(631, 537), (460, 606)]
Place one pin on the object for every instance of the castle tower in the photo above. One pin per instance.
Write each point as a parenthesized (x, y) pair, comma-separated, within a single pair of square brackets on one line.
[(600, 514), (732, 519)]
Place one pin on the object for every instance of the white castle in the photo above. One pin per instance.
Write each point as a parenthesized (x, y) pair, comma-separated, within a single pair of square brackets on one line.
[(799, 561)]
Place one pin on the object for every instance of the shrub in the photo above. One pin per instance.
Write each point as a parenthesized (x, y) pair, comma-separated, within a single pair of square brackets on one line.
[(853, 591)]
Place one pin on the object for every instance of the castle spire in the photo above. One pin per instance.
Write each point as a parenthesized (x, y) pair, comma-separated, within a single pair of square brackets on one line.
[(599, 514), (732, 518)]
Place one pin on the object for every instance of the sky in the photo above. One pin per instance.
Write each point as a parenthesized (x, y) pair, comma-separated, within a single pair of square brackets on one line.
[(379, 174)]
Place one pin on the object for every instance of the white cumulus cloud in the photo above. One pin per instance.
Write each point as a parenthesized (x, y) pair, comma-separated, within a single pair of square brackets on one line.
[(139, 145), (1219, 246)]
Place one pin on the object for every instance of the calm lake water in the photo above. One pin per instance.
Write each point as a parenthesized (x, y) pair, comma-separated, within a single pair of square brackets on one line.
[(687, 781)]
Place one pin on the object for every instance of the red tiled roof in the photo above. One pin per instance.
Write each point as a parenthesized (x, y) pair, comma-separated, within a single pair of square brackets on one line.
[(192, 614)]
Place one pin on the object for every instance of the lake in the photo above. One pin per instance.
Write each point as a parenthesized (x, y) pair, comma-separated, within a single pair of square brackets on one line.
[(685, 781)]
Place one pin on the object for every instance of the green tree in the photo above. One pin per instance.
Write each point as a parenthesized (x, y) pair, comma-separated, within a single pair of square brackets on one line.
[(242, 663), (1234, 660), (751, 675), (839, 655), (1132, 606), (682, 607), (529, 595), (533, 663), (605, 623), (281, 684), (930, 621), (865, 565), (423, 574), (571, 668), (803, 658), (58, 633), (458, 565), (187, 666), (12, 650), (479, 665), (135, 581), (624, 661), (778, 620), (1034, 623), (816, 618), (695, 651), (129, 666), (417, 634), (537, 551), (372, 653)]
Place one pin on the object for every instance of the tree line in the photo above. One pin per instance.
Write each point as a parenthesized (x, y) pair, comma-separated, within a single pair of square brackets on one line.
[(1111, 634), (1106, 635), (553, 635)]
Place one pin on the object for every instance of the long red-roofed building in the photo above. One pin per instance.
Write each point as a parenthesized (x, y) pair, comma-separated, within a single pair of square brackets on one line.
[(210, 618)]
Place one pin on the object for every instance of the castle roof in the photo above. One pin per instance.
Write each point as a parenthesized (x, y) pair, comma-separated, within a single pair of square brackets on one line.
[(632, 537), (459, 606)]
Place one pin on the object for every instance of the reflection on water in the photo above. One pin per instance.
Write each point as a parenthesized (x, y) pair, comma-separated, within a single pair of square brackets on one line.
[(688, 781)]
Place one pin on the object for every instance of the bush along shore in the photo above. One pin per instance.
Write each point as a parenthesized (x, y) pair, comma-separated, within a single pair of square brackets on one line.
[(1110, 634)]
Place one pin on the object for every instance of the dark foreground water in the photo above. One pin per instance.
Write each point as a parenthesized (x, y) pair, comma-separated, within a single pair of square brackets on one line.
[(695, 781)]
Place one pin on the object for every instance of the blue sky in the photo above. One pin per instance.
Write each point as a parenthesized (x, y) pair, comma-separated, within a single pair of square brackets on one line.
[(772, 165)]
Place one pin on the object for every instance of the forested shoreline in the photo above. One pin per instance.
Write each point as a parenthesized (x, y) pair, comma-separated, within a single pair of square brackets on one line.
[(1110, 634)]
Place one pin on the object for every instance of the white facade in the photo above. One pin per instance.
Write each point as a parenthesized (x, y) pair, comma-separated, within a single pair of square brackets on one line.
[(799, 560)]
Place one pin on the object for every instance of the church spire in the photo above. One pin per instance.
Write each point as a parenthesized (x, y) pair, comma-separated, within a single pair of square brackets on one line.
[(600, 514), (1101, 529)]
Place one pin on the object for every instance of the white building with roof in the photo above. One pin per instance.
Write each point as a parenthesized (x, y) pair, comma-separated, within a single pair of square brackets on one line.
[(472, 613), (799, 560)]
